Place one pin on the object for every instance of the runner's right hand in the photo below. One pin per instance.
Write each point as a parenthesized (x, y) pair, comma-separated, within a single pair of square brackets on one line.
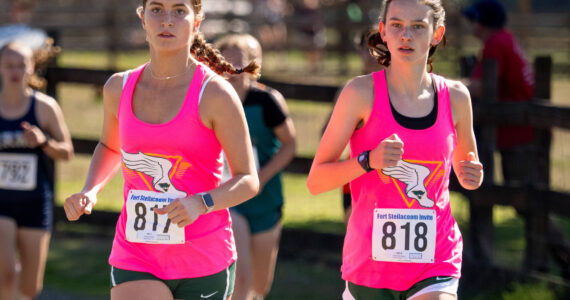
[(387, 153), (78, 204)]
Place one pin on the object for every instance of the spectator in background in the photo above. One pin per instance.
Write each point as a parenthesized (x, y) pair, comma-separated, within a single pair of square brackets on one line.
[(32, 133), (515, 84), (257, 222)]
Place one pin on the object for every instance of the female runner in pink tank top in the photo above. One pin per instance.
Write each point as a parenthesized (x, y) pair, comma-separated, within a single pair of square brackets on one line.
[(166, 123), (407, 129)]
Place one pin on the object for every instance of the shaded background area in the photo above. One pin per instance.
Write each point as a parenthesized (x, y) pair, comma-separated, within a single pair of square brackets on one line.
[(543, 27)]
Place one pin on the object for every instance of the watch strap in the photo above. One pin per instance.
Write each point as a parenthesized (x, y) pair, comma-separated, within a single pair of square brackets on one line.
[(208, 201), (364, 160)]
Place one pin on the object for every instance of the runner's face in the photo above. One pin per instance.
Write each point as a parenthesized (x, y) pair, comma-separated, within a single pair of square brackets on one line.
[(15, 66), (408, 31), (170, 24)]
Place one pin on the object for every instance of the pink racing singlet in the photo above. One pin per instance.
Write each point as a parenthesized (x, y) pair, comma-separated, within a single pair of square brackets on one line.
[(401, 230), (179, 158)]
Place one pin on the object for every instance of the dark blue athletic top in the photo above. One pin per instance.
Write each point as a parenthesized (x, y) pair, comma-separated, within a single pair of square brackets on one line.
[(12, 141)]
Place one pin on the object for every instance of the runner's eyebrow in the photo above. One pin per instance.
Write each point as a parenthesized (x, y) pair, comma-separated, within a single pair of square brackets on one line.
[(414, 21), (160, 4)]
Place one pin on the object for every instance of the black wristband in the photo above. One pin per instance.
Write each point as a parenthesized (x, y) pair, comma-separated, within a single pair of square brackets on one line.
[(364, 161)]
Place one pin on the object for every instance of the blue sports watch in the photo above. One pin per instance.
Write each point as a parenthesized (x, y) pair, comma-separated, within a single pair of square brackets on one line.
[(208, 201)]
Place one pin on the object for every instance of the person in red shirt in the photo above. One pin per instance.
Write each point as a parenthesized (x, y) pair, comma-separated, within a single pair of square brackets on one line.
[(515, 84)]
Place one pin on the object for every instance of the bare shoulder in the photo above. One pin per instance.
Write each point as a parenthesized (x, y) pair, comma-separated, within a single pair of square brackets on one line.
[(460, 101), (219, 91), (46, 103), (219, 102), (359, 90), (114, 85), (458, 92), (362, 83), (48, 112), (112, 91)]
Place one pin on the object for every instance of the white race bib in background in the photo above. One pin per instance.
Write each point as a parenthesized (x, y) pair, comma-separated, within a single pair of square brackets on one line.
[(18, 171)]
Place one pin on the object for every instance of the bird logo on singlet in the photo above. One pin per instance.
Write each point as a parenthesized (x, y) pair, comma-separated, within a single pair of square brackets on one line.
[(414, 176), (158, 168)]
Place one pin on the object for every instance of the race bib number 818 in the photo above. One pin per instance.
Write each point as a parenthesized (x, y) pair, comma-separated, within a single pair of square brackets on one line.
[(144, 225), (404, 235)]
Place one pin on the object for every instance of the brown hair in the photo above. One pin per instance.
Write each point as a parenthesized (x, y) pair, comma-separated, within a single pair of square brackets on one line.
[(206, 53), (378, 47), (40, 57)]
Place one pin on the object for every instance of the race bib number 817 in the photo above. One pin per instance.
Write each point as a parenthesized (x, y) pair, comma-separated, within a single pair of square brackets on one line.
[(144, 225), (404, 235)]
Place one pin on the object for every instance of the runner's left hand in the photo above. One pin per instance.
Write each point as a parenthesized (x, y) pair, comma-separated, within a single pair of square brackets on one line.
[(470, 173), (33, 134)]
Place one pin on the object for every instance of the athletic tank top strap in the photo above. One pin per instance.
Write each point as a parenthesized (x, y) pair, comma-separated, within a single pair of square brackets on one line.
[(180, 157), (418, 123), (444, 113), (191, 102), (195, 92), (383, 106), (130, 79), (31, 114), (427, 158)]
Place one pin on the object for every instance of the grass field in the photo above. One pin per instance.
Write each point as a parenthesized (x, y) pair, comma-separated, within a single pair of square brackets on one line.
[(82, 108)]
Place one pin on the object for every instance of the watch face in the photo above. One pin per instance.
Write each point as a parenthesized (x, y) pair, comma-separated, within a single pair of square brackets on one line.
[(208, 200)]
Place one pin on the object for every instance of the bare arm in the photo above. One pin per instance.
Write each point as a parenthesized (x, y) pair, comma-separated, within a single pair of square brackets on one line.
[(465, 160), (352, 108), (106, 157), (352, 111), (222, 111), (53, 137)]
